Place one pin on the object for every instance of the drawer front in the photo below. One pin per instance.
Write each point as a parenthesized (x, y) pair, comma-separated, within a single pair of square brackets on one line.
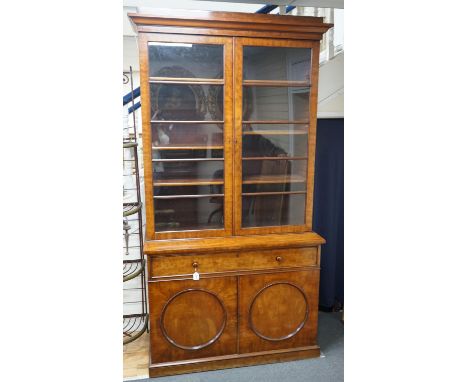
[(236, 261), (279, 258), (185, 265)]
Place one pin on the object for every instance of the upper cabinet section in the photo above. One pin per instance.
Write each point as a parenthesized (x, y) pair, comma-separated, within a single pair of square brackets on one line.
[(228, 113)]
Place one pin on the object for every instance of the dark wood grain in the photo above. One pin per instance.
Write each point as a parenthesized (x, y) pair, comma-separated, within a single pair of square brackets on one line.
[(282, 34), (233, 243), (192, 318), (232, 22), (229, 361), (278, 306), (233, 261)]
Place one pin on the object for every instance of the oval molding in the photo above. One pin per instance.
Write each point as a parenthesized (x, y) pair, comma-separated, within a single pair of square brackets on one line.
[(295, 331), (203, 345)]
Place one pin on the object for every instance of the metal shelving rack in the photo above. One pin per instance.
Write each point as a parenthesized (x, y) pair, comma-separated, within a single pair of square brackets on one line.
[(134, 324)]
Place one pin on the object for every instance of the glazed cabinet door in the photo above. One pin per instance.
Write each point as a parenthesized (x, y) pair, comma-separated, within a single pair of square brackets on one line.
[(186, 82), (278, 311), (275, 113), (193, 319)]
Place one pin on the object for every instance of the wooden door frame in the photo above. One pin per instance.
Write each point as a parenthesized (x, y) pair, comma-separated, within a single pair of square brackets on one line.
[(239, 43), (143, 40)]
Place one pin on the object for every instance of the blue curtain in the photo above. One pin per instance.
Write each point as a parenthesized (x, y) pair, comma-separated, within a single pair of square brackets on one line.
[(328, 209)]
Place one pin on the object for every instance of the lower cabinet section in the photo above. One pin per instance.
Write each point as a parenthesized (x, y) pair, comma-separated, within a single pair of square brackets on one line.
[(278, 311), (193, 319), (220, 318)]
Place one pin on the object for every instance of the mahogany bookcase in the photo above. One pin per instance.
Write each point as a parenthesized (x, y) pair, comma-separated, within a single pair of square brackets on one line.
[(229, 107)]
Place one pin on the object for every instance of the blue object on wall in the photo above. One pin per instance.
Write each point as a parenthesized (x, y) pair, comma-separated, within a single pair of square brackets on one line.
[(328, 209), (267, 8), (128, 97), (131, 109)]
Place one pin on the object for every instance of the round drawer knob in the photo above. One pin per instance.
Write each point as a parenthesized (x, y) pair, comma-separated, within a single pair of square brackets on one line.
[(279, 259), (195, 264)]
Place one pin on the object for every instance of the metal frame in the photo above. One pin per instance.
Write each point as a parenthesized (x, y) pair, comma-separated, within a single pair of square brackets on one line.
[(134, 325)]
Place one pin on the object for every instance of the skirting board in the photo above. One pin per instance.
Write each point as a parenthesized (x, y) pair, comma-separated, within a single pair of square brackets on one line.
[(231, 361)]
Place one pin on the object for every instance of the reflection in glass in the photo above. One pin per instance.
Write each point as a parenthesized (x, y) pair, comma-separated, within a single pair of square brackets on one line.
[(188, 195), (187, 150), (176, 135), (202, 212), (171, 102), (271, 103), (276, 63), (273, 145), (273, 210), (276, 170), (187, 171), (167, 192), (181, 60), (274, 129), (274, 187)]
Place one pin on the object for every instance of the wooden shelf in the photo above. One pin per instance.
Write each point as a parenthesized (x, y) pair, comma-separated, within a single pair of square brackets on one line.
[(276, 122), (275, 83), (186, 81), (275, 132), (187, 182), (274, 193), (189, 147), (275, 158), (188, 196), (187, 122), (188, 160), (167, 227), (273, 179)]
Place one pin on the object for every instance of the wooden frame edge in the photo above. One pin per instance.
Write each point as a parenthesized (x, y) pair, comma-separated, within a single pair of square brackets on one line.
[(232, 361)]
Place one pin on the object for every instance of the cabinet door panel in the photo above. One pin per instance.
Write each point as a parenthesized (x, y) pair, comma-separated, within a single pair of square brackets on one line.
[(193, 319), (275, 96), (278, 311), (186, 89)]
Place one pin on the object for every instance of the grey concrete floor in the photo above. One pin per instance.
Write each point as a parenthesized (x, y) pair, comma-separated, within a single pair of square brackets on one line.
[(327, 368)]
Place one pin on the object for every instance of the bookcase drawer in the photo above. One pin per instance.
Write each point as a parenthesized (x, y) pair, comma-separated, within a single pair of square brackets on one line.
[(279, 258), (235, 261)]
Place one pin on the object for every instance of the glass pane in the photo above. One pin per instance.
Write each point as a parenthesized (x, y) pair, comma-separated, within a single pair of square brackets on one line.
[(186, 155), (273, 210), (180, 60), (269, 103), (206, 212), (274, 187), (274, 129), (177, 136), (187, 136), (176, 191), (274, 63), (272, 145), (190, 171), (277, 171), (171, 102), (275, 154)]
